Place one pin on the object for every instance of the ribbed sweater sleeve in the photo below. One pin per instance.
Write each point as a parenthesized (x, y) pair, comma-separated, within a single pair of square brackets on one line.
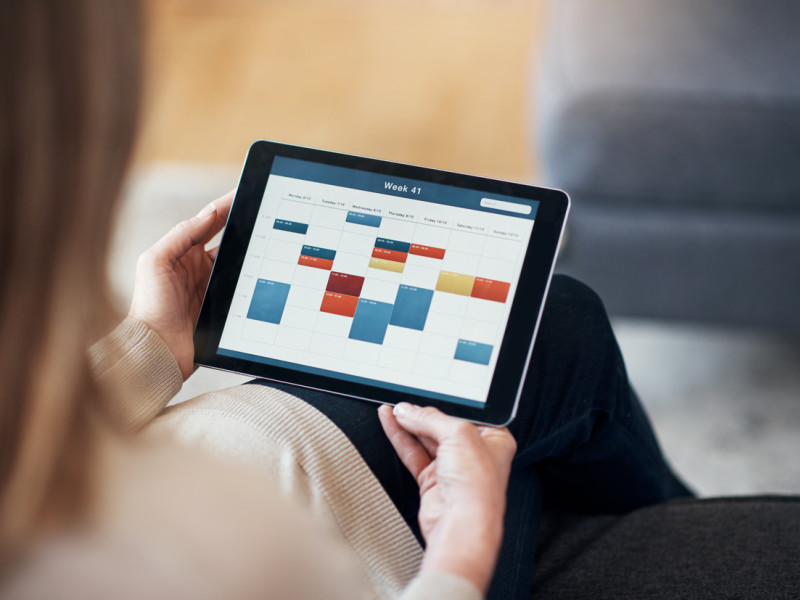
[(313, 463), (136, 372), (310, 460)]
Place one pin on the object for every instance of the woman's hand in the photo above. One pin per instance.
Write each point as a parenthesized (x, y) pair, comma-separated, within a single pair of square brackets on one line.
[(171, 279), (462, 471)]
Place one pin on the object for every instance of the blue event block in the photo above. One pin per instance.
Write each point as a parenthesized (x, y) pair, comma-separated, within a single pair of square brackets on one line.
[(268, 301), (370, 321), (360, 218), (318, 252), (292, 226), (473, 352), (411, 307), (392, 245)]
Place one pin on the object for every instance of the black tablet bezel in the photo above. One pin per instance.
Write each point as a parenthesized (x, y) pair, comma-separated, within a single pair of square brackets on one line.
[(517, 343)]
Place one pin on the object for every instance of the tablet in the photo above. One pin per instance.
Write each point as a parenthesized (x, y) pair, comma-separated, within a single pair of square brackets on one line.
[(381, 281)]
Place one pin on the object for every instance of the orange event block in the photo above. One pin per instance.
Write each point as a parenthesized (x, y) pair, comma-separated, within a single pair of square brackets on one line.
[(428, 251), (339, 304), (488, 289), (389, 255), (316, 262)]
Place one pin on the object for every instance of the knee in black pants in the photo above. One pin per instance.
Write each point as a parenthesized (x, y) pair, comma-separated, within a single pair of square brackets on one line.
[(575, 363)]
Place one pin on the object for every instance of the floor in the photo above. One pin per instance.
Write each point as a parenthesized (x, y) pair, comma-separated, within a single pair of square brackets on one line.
[(725, 404)]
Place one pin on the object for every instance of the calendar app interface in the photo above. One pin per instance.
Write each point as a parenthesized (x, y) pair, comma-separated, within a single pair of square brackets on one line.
[(397, 283)]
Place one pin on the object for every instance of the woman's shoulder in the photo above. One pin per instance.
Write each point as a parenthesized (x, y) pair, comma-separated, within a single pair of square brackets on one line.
[(179, 523)]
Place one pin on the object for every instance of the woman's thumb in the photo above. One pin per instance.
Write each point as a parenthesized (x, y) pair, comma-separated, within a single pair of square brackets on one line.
[(185, 235)]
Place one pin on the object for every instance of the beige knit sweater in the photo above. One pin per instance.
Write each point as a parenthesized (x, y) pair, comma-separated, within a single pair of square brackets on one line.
[(295, 449)]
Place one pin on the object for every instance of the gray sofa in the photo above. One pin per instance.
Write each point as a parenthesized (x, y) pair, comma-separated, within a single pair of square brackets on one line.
[(714, 549), (675, 127)]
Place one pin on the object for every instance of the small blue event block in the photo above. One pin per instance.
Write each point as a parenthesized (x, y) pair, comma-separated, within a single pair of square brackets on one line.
[(360, 218), (473, 352)]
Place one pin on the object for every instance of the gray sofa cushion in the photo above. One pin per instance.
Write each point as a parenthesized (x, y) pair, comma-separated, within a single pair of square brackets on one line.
[(673, 102), (688, 263), (675, 127), (725, 548)]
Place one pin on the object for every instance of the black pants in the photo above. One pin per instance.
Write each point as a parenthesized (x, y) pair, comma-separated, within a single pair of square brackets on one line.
[(584, 441)]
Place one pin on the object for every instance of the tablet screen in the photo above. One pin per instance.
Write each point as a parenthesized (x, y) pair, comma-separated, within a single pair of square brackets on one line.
[(396, 283)]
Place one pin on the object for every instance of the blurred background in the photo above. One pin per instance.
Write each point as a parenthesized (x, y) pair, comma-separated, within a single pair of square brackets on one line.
[(632, 107), (436, 82)]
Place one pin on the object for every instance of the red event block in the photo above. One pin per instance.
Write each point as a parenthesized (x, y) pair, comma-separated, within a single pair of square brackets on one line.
[(344, 283), (428, 251), (316, 262), (389, 254), (488, 289), (339, 304)]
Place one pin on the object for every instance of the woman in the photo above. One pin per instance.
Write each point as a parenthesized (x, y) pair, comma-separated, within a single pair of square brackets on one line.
[(327, 504)]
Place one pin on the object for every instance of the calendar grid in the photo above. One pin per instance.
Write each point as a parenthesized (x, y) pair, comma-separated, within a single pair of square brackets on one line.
[(421, 296)]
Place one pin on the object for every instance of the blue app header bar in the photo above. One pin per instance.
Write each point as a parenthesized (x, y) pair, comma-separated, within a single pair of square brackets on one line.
[(509, 206)]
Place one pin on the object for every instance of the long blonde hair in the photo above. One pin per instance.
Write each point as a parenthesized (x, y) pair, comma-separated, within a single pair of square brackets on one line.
[(70, 72)]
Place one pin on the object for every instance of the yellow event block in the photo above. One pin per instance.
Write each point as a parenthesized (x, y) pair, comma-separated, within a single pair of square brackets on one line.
[(386, 265), (455, 283)]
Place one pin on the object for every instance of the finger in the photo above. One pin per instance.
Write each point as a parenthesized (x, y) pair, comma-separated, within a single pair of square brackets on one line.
[(427, 422), (431, 446), (500, 442), (495, 433), (213, 252), (487, 431), (412, 454), (184, 236), (223, 209), (197, 230)]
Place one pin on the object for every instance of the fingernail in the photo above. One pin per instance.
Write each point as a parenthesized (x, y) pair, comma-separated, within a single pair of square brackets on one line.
[(206, 211), (402, 409)]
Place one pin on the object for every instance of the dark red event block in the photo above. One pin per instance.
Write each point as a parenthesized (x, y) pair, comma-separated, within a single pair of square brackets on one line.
[(344, 283)]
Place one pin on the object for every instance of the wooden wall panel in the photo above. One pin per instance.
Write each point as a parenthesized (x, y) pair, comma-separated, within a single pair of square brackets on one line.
[(438, 83)]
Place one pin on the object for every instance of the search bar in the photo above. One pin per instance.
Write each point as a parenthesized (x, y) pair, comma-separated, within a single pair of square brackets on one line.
[(523, 209)]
